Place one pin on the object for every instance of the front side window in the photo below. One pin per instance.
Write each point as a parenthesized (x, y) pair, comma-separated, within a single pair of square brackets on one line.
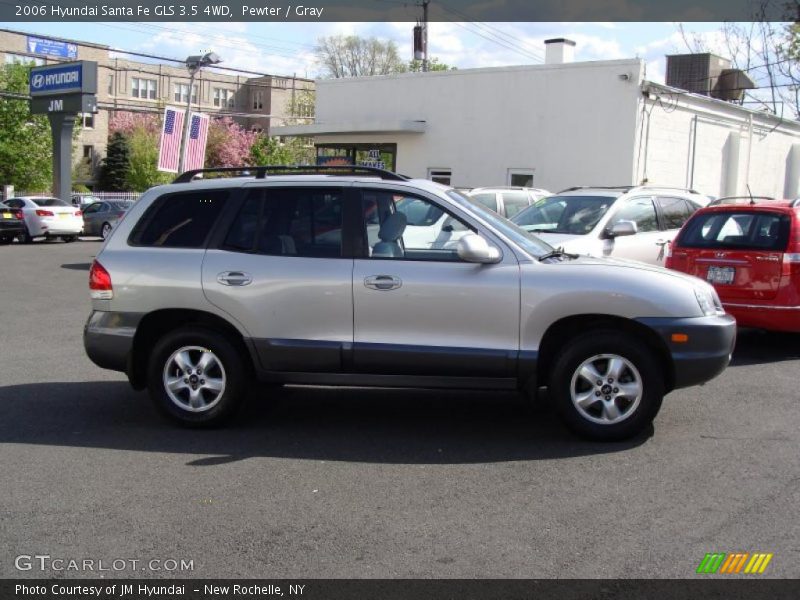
[(403, 227), (639, 210), (576, 215), (289, 222), (514, 202), (737, 231), (675, 211), (182, 220)]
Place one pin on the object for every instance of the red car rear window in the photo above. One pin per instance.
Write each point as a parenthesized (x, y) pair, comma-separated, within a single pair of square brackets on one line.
[(737, 230)]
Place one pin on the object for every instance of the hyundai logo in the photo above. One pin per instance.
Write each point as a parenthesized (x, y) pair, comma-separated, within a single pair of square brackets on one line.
[(720, 255), (37, 80)]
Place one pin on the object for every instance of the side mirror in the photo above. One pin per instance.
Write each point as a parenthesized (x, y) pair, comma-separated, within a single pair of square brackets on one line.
[(621, 229), (473, 248)]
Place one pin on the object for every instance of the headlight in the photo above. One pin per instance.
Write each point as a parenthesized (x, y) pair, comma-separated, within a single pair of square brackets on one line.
[(708, 300)]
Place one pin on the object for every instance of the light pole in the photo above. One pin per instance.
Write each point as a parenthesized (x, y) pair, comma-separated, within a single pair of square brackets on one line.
[(194, 64)]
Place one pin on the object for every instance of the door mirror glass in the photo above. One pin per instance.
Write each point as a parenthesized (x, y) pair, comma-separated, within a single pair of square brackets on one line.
[(622, 228), (473, 248)]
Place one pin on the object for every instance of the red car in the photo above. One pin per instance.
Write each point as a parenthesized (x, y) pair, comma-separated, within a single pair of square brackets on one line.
[(749, 250)]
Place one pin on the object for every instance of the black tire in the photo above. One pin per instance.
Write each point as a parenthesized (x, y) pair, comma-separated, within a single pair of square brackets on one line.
[(597, 344), (235, 376), (105, 230), (5, 240), (68, 239), (25, 237)]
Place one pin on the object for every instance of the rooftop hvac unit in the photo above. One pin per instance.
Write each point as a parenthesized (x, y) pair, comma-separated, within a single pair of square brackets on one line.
[(731, 85), (698, 73)]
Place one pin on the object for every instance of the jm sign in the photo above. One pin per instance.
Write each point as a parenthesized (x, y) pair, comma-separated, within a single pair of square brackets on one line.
[(64, 87)]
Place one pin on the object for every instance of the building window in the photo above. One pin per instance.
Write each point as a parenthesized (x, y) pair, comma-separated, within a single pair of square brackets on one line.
[(88, 154), (88, 121), (442, 176), (181, 93), (304, 109), (110, 85), (258, 100), (223, 98), (21, 59), (520, 177), (143, 88)]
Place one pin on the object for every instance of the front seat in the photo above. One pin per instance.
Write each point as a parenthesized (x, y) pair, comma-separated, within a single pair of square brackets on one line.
[(390, 232)]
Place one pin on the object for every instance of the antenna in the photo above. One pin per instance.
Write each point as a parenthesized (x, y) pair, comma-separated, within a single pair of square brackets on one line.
[(752, 200)]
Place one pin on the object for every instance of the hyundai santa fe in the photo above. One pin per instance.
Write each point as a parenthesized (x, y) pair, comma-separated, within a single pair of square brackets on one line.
[(309, 276)]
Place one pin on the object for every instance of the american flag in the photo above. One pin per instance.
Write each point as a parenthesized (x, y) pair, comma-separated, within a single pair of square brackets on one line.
[(195, 154), (170, 148)]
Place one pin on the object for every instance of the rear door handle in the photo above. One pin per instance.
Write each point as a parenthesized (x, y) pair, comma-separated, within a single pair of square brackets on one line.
[(383, 282), (235, 278)]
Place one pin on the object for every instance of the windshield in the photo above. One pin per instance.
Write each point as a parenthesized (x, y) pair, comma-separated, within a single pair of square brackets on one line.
[(576, 215), (49, 202), (528, 242)]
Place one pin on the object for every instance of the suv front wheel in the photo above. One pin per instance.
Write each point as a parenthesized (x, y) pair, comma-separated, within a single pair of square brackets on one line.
[(606, 385), (196, 376)]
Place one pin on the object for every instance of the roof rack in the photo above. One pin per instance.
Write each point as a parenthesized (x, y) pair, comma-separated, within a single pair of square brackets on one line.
[(796, 203), (740, 200), (260, 172), (628, 188)]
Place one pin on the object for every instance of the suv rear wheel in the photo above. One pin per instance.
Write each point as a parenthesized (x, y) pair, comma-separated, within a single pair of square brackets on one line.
[(606, 385), (196, 376)]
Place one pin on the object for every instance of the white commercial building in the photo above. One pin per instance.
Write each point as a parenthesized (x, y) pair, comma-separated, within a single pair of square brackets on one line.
[(553, 126)]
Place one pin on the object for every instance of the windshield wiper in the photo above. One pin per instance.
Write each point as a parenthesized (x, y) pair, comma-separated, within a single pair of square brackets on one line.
[(558, 252)]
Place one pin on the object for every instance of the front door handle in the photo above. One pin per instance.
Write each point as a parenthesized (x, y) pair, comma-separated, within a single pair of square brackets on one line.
[(382, 282), (235, 278)]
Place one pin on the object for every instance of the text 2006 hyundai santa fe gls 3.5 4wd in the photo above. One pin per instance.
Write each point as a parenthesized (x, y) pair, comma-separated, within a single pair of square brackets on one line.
[(318, 276)]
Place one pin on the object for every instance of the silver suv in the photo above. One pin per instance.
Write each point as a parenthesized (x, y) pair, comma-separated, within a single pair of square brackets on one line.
[(310, 276)]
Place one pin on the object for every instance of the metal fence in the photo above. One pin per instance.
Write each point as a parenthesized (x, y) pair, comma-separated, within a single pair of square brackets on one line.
[(86, 198)]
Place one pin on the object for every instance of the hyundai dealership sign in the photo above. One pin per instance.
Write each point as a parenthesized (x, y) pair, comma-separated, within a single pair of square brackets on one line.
[(64, 78)]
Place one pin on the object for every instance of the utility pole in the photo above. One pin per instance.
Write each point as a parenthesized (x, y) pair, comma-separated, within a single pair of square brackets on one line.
[(425, 4)]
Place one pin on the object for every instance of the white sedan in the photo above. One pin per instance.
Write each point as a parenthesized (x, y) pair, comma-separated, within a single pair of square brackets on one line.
[(48, 217)]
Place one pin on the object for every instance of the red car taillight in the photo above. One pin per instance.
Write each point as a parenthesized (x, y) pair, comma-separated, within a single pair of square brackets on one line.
[(100, 282), (78, 213), (18, 214), (44, 213)]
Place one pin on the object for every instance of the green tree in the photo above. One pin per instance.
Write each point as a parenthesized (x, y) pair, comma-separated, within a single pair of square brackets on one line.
[(415, 66), (26, 148), (116, 166), (143, 173), (271, 151)]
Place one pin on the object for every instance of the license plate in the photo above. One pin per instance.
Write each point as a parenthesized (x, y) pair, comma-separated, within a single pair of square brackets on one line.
[(723, 275), (65, 215), (6, 215)]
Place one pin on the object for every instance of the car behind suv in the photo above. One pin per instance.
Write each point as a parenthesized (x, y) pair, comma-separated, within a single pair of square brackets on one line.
[(633, 223), (292, 276), (750, 251), (507, 200)]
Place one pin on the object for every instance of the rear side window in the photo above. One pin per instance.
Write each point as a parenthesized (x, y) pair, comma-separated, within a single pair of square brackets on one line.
[(514, 202), (737, 231), (675, 211), (489, 200), (289, 222), (182, 220)]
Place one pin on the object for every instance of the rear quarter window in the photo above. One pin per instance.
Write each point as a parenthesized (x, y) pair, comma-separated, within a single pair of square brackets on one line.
[(737, 231), (180, 220)]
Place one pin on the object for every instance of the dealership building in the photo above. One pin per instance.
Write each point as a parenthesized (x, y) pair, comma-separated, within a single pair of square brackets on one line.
[(561, 124)]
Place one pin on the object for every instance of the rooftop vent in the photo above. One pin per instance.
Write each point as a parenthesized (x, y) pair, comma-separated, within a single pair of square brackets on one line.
[(731, 85), (698, 73)]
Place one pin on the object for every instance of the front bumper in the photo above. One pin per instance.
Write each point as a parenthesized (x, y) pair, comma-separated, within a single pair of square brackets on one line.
[(706, 351), (108, 338)]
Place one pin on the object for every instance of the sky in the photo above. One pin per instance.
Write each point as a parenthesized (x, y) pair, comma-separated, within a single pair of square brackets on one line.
[(288, 48)]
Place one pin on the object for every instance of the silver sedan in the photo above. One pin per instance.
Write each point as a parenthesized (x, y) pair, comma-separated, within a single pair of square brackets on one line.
[(99, 218)]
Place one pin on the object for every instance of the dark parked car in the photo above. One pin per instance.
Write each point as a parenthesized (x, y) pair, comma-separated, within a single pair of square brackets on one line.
[(100, 218), (12, 223)]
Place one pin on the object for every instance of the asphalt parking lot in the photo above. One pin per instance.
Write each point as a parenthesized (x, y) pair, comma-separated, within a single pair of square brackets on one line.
[(388, 483)]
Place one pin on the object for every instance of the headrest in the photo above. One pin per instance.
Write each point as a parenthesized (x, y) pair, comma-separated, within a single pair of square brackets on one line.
[(393, 227)]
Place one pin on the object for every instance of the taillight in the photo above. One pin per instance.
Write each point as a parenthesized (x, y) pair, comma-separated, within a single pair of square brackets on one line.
[(18, 214), (44, 213), (78, 213), (100, 282)]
